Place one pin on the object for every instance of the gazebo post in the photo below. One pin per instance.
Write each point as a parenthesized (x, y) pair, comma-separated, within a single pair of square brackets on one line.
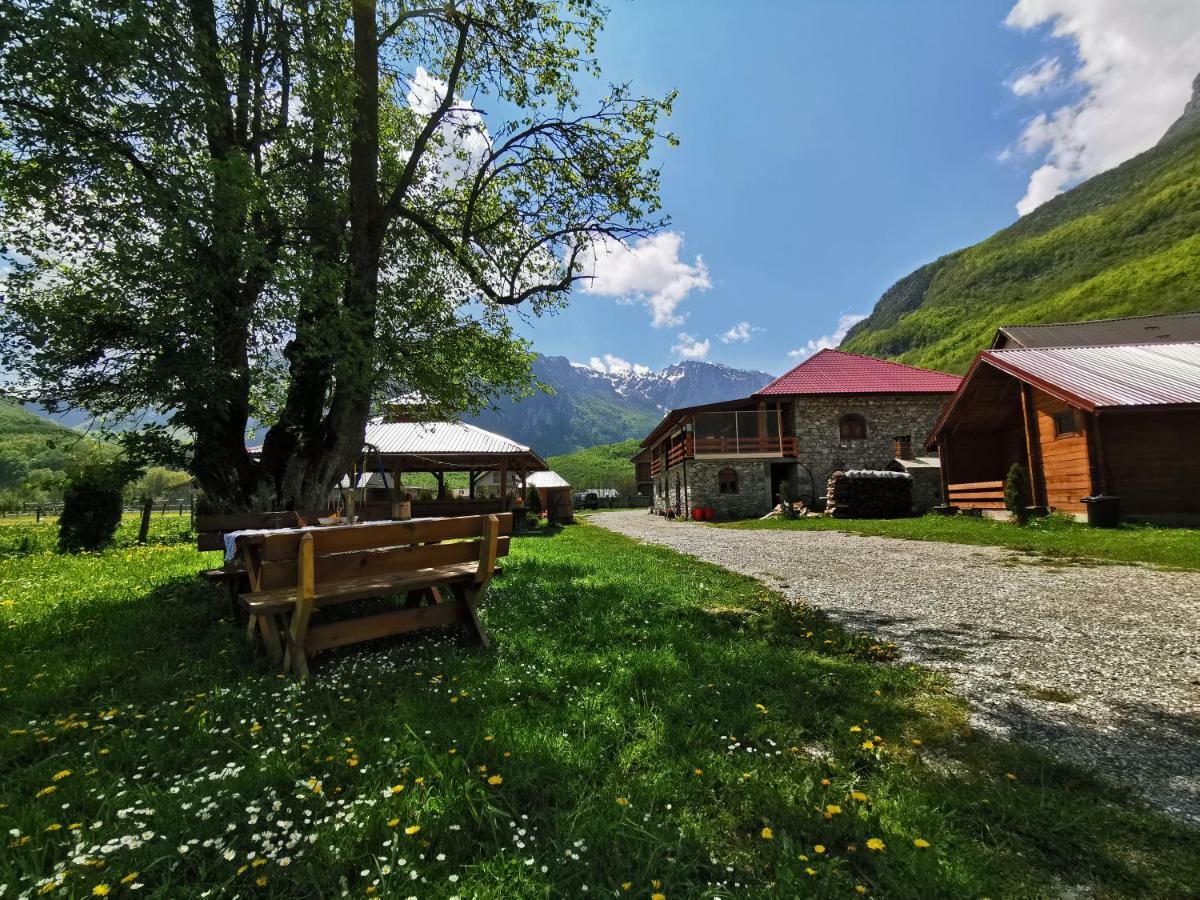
[(471, 484), (504, 486)]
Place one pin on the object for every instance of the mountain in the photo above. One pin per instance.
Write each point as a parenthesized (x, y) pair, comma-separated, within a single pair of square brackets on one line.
[(588, 407), (17, 421), (1125, 242)]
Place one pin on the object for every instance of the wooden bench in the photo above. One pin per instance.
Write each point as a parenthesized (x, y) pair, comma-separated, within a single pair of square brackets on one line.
[(294, 574)]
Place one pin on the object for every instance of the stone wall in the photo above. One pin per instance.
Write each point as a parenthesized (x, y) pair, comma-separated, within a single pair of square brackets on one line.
[(701, 487), (887, 416)]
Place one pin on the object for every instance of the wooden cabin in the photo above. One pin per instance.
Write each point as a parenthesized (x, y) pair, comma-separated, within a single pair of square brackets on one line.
[(554, 495), (1117, 420)]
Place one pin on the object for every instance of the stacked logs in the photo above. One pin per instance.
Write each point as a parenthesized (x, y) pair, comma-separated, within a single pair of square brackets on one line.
[(869, 494)]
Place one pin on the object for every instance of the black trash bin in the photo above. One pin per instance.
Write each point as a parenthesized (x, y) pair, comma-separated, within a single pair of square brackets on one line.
[(1103, 511)]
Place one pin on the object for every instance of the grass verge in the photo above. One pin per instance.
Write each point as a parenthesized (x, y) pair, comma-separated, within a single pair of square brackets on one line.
[(1052, 536), (645, 725)]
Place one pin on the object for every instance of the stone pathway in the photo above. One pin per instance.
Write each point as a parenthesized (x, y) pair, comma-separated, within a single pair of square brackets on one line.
[(1100, 664)]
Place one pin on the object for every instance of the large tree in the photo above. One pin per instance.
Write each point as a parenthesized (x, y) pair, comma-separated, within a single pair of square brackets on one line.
[(285, 211)]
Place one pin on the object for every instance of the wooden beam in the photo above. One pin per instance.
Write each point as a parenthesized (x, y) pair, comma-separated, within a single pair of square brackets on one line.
[(1033, 446)]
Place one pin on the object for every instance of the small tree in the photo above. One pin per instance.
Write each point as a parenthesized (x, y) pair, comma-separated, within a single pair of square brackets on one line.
[(91, 508), (533, 501), (785, 498), (1016, 493)]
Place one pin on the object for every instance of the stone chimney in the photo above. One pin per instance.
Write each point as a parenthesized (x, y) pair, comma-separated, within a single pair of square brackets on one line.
[(902, 446)]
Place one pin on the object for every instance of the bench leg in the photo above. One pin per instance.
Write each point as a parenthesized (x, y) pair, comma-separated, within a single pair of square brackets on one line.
[(270, 635), (469, 596)]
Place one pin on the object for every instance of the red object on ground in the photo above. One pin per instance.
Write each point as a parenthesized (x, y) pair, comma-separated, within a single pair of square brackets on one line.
[(710, 514), (697, 514)]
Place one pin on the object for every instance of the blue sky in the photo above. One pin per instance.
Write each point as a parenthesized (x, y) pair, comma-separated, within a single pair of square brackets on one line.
[(829, 148)]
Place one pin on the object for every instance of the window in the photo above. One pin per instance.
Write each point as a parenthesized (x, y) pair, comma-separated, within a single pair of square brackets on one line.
[(1064, 423), (852, 427), (727, 481)]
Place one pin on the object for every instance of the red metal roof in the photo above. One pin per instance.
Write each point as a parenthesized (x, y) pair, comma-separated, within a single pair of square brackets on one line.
[(838, 372), (1102, 377)]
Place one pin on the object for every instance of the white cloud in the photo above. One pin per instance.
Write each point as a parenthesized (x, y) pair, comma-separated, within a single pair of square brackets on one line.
[(690, 347), (464, 142), (650, 272), (614, 365), (827, 342), (739, 332), (1135, 67), (1037, 79)]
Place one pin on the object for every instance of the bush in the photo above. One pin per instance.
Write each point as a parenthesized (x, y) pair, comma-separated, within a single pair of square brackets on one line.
[(92, 504), (533, 501), (1017, 494)]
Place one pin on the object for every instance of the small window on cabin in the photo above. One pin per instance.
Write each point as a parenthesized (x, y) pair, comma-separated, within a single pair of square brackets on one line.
[(727, 482), (852, 427), (1064, 423)]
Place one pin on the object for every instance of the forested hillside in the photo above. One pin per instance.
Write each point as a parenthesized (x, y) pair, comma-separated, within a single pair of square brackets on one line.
[(1126, 242), (605, 466)]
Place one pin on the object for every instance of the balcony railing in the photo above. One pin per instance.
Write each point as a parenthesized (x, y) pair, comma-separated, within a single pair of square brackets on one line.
[(772, 445), (680, 452), (656, 465)]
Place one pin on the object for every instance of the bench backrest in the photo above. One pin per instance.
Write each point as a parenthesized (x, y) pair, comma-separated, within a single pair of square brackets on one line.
[(211, 529), (342, 552)]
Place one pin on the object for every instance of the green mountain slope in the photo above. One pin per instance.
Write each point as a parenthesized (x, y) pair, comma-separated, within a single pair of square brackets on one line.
[(1126, 242), (14, 420), (604, 466)]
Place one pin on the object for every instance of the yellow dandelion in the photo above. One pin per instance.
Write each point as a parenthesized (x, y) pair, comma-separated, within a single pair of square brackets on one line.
[(1010, 776), (489, 737), (46, 791), (868, 745), (392, 823), (420, 781), (626, 885), (622, 801), (261, 880), (507, 754), (832, 809), (859, 889), (658, 895), (916, 742), (495, 780), (810, 870), (699, 771), (54, 827), (255, 728), (876, 844), (920, 843), (259, 863), (819, 849), (397, 788), (104, 751), (767, 834), (824, 782), (101, 890), (859, 796), (452, 750), (128, 878), (59, 776), (242, 869), (854, 729), (412, 829)]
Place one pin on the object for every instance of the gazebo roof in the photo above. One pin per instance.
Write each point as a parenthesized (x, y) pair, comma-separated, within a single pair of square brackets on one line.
[(432, 446)]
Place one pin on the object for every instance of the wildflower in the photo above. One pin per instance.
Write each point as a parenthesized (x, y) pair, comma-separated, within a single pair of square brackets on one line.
[(854, 729), (255, 728), (261, 880), (626, 885), (397, 788), (699, 771), (54, 827), (824, 782), (489, 737), (495, 780), (762, 709), (59, 776), (810, 870), (1010, 776), (412, 829), (876, 844), (859, 889), (392, 823), (258, 863), (658, 896), (832, 809), (819, 849), (622, 801), (767, 834), (128, 878), (920, 843), (868, 745), (859, 796), (101, 890), (916, 742), (46, 791)]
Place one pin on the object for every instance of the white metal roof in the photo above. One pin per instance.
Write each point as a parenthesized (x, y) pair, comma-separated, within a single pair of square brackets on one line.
[(438, 437), (546, 480), (1115, 376)]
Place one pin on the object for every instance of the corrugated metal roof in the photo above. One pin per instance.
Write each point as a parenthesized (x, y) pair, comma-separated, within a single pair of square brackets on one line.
[(546, 480), (1101, 377), (1172, 328), (838, 372), (428, 438)]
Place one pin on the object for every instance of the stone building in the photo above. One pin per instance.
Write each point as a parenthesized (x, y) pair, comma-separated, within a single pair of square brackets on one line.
[(832, 412)]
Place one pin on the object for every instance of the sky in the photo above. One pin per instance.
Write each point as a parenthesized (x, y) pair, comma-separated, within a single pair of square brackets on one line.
[(830, 148)]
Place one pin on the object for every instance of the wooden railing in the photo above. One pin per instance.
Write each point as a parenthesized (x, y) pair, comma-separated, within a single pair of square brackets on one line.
[(736, 446), (976, 495), (680, 452), (655, 465)]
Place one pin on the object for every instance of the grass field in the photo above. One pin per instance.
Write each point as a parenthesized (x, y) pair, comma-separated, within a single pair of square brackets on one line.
[(1053, 536), (646, 725)]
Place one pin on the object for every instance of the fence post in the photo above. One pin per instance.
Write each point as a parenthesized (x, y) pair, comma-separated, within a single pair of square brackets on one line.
[(144, 529), (39, 514)]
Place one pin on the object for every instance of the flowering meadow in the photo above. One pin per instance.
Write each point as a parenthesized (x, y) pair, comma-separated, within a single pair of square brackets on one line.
[(644, 726)]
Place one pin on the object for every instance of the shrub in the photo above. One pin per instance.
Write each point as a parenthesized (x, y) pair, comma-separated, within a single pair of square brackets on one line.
[(92, 504), (1017, 494), (533, 501)]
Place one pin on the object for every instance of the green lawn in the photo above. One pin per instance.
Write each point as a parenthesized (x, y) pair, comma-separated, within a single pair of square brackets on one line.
[(1054, 536), (646, 724)]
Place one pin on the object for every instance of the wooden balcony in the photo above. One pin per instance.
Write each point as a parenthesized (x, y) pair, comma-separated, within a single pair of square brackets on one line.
[(976, 495), (655, 466), (747, 446)]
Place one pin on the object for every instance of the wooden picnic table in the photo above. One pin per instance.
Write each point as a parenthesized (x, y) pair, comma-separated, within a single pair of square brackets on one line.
[(296, 572)]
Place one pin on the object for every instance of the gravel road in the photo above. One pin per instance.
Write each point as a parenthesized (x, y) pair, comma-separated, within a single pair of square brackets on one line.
[(1100, 664)]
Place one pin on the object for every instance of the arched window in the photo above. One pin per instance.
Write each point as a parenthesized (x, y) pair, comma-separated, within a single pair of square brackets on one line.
[(727, 481), (852, 426)]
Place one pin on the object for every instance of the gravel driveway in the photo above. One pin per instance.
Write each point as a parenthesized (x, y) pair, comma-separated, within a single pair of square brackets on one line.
[(1098, 663)]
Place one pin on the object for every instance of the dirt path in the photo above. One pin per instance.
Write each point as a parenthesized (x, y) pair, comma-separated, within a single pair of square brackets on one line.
[(1098, 663)]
